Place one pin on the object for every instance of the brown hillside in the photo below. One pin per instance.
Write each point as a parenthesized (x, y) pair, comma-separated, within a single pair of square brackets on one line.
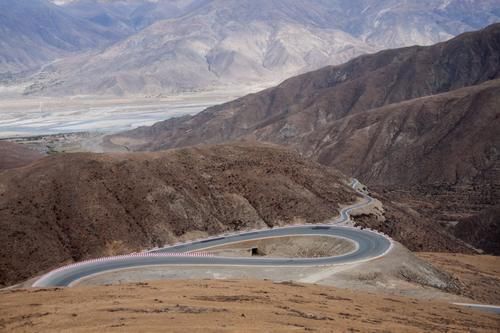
[(307, 103), (14, 155), (74, 206), (481, 230), (448, 138)]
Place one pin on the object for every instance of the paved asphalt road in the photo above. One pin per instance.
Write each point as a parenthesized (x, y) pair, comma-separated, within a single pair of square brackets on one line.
[(369, 245), (481, 307)]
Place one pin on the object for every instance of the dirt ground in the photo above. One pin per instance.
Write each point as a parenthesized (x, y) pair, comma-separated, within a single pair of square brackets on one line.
[(478, 274), (288, 247), (229, 306)]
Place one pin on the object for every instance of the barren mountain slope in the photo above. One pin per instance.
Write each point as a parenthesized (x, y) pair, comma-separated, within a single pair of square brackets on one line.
[(35, 32), (437, 156), (13, 155), (128, 15), (448, 138), (305, 103), (74, 206), (398, 23), (213, 44), (223, 43)]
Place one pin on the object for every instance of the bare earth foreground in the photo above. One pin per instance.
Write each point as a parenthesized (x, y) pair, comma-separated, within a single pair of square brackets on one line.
[(229, 305)]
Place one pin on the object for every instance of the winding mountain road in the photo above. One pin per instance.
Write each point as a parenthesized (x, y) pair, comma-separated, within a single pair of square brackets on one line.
[(369, 245)]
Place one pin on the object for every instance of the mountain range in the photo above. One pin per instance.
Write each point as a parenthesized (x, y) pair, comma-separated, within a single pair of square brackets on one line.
[(128, 15), (420, 124), (48, 34), (331, 113), (160, 47), (417, 125), (59, 29)]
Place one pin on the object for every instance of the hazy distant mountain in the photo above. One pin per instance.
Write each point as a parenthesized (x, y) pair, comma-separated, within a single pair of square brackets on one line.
[(128, 15), (398, 23), (34, 32), (219, 43)]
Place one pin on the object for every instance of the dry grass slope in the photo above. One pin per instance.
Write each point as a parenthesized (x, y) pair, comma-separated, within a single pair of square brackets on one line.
[(229, 306)]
